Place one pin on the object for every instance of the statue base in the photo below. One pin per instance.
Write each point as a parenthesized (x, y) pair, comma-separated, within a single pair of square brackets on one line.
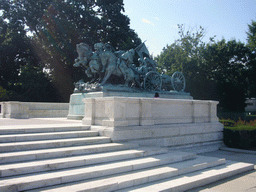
[(154, 122), (76, 105)]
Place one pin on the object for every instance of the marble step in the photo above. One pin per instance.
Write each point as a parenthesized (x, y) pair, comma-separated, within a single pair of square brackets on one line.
[(21, 129), (46, 136), (137, 177), (191, 180), (19, 156), (44, 144), (37, 180), (7, 170)]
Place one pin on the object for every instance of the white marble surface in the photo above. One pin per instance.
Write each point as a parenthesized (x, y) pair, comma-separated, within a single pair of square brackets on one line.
[(107, 166), (44, 144), (24, 110), (39, 154), (75, 174), (128, 111)]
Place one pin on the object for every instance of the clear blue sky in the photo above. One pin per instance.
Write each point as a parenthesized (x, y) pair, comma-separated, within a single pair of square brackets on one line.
[(156, 20)]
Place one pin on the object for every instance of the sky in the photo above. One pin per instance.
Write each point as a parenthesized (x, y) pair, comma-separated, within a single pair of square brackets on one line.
[(156, 20)]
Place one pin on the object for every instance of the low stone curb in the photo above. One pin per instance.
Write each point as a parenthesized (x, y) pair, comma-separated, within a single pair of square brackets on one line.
[(237, 150)]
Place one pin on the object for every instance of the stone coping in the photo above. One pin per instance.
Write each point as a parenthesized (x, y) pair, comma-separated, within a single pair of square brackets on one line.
[(129, 111), (23, 110), (37, 121), (237, 150)]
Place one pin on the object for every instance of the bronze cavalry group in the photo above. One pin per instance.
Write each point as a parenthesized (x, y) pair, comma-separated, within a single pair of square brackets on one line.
[(104, 62)]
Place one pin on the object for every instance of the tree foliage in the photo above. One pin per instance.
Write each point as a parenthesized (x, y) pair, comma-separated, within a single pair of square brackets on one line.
[(251, 43), (186, 55), (214, 70), (251, 35), (187, 49), (55, 27), (14, 51), (227, 66)]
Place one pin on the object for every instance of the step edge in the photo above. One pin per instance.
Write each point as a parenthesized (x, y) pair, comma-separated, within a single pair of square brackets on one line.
[(131, 167), (21, 168), (41, 154), (118, 184)]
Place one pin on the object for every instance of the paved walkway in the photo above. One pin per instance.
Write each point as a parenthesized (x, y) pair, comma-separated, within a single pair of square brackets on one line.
[(239, 183)]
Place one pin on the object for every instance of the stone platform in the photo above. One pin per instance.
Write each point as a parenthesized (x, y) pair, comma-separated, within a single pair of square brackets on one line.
[(131, 111), (76, 105), (64, 155), (24, 110), (155, 121)]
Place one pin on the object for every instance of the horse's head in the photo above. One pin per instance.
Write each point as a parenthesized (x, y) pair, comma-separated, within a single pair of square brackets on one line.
[(83, 50), (98, 46), (84, 54), (82, 47)]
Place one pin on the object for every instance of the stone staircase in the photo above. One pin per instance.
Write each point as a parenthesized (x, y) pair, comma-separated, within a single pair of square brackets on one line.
[(74, 158)]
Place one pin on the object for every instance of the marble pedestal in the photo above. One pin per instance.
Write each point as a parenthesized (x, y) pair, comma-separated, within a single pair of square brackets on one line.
[(76, 105), (155, 121), (131, 111)]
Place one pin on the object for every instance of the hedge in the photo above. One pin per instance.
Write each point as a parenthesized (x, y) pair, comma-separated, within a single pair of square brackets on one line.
[(242, 139), (240, 134)]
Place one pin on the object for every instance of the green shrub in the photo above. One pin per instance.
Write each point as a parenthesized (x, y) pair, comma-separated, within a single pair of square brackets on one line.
[(241, 139), (241, 134), (227, 122), (241, 128)]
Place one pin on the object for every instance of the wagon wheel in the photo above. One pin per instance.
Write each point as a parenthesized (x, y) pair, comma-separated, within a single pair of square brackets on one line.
[(153, 81), (178, 81)]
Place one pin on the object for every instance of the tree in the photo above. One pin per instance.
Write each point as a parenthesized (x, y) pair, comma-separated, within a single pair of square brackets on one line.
[(15, 51), (35, 86), (57, 26), (184, 52), (251, 43), (20, 67), (216, 70), (227, 66), (186, 55), (3, 94), (115, 25), (251, 35)]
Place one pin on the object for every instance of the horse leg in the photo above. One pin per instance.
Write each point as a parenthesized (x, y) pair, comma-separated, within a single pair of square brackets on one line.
[(136, 81), (106, 77), (94, 78), (88, 73), (130, 77)]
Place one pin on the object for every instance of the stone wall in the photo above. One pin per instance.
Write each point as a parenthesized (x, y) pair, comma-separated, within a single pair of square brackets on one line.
[(76, 105), (20, 110), (157, 122), (126, 111)]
